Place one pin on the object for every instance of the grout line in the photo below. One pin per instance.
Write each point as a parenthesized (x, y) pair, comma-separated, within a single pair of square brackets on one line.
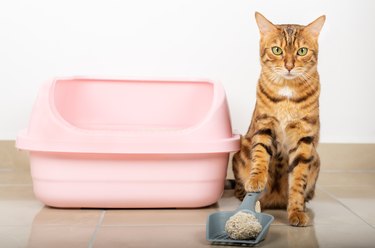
[(346, 207), (92, 240)]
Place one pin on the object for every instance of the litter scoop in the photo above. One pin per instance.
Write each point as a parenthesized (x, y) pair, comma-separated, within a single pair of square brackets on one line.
[(215, 229)]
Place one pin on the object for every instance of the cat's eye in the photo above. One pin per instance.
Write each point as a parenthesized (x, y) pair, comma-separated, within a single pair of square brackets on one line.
[(302, 51), (277, 50)]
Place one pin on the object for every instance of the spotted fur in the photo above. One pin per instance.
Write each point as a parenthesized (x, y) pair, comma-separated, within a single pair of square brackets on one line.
[(278, 153)]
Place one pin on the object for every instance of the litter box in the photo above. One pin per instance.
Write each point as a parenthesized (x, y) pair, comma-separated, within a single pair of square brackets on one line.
[(98, 143)]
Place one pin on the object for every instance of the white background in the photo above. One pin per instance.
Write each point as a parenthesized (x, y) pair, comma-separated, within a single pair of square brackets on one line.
[(214, 39)]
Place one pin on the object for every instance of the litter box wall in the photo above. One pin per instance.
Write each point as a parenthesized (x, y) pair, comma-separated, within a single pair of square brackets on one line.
[(129, 143)]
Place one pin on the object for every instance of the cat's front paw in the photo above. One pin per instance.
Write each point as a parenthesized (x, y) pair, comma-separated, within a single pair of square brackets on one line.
[(256, 183), (298, 218)]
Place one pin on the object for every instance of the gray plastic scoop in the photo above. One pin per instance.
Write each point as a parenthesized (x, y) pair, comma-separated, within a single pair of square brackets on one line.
[(215, 229)]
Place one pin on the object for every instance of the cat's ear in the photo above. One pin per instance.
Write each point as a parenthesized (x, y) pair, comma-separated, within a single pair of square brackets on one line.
[(264, 25), (315, 27)]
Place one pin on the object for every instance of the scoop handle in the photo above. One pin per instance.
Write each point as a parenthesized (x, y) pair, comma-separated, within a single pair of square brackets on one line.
[(249, 201)]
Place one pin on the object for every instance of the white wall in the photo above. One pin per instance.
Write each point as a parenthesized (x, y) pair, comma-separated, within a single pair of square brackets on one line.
[(214, 39)]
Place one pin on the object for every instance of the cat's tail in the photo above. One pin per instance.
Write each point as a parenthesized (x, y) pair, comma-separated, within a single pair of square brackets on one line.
[(229, 184)]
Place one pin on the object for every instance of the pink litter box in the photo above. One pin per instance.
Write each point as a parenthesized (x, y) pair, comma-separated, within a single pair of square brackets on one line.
[(97, 143)]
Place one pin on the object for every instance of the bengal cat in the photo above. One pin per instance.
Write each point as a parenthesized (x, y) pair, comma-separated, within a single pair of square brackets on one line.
[(278, 153)]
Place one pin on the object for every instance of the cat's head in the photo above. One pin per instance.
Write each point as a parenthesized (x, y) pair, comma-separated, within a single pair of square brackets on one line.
[(288, 51)]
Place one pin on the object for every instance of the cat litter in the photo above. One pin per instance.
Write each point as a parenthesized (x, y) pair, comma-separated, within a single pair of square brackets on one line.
[(239, 226), (243, 225), (103, 143)]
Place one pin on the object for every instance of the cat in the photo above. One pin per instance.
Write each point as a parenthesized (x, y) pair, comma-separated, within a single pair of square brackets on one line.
[(278, 153)]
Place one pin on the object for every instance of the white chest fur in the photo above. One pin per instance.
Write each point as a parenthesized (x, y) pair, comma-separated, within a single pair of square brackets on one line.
[(286, 92)]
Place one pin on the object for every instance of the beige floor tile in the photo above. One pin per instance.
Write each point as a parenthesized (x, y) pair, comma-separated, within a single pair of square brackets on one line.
[(60, 236), (29, 224), (347, 156), (18, 214), (14, 237), (287, 236), (359, 199), (14, 165), (344, 198), (18, 205), (227, 202), (194, 236), (16, 193), (345, 236), (328, 211), (152, 236), (156, 217), (10, 157), (322, 210), (68, 217), (125, 217), (346, 178), (13, 177), (320, 236)]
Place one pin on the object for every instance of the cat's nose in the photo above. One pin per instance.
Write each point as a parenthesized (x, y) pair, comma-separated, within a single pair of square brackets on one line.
[(289, 66)]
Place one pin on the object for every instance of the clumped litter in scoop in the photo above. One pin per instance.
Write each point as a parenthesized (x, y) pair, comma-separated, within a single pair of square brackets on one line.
[(243, 226)]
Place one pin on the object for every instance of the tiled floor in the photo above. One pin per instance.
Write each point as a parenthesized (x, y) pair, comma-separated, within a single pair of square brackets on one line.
[(342, 216)]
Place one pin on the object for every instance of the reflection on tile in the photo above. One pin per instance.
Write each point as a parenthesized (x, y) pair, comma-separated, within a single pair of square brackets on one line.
[(152, 236), (194, 236), (67, 217), (156, 217), (121, 217), (345, 236), (320, 236), (11, 236), (60, 236), (287, 236), (18, 205), (322, 210), (18, 214), (228, 201), (327, 211), (64, 227), (359, 199)]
